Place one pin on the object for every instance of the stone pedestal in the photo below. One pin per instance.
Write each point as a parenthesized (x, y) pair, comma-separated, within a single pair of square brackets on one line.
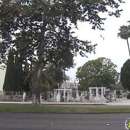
[(58, 97)]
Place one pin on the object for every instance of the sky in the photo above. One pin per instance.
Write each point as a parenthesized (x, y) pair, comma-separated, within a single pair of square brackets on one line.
[(110, 46)]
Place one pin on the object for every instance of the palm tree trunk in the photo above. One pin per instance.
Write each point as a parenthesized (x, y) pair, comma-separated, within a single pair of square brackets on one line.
[(128, 47)]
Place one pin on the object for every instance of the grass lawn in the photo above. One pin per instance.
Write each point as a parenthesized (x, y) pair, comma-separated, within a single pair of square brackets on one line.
[(63, 109)]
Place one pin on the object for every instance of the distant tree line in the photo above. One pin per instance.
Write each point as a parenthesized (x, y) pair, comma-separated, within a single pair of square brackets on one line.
[(19, 76), (14, 76)]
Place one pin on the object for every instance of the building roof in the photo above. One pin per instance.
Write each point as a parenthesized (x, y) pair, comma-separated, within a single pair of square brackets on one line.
[(116, 86)]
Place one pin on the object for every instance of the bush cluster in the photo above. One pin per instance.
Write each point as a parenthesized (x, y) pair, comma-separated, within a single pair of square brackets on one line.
[(128, 96)]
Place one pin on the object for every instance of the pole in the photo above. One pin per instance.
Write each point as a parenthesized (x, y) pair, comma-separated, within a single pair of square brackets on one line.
[(64, 84), (128, 47)]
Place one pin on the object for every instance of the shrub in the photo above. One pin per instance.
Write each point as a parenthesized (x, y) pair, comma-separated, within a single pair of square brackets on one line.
[(128, 96)]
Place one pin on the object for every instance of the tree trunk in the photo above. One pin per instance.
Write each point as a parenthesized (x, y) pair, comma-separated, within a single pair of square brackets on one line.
[(128, 47), (37, 80), (38, 71)]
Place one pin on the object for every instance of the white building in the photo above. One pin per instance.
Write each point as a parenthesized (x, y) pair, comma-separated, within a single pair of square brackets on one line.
[(69, 85), (2, 76)]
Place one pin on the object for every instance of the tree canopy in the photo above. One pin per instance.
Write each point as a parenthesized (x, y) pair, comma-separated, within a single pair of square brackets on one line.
[(43, 30), (100, 72), (52, 77), (125, 75), (14, 73), (124, 33), (46, 27)]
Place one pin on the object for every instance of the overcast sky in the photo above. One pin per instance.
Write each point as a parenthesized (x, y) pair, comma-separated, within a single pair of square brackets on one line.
[(111, 46)]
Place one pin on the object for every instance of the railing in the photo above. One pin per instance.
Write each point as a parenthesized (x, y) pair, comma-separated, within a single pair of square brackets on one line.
[(44, 96), (49, 96), (22, 96), (13, 96)]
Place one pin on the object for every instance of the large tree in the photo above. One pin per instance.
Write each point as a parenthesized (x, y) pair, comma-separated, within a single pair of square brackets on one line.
[(14, 73), (42, 29), (52, 77), (125, 75), (9, 82), (100, 72)]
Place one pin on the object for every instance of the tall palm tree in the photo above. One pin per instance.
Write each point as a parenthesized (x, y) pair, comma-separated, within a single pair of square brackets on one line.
[(125, 34)]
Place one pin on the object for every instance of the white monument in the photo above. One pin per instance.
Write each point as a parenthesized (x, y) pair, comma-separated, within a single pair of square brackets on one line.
[(97, 93), (58, 96), (62, 94)]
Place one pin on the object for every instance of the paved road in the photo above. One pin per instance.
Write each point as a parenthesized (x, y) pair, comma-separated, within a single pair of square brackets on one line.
[(20, 121)]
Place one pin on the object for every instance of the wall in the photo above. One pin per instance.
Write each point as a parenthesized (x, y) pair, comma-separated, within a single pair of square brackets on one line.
[(2, 76)]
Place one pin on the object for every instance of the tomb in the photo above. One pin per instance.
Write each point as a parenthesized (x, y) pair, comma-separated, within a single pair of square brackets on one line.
[(97, 94)]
